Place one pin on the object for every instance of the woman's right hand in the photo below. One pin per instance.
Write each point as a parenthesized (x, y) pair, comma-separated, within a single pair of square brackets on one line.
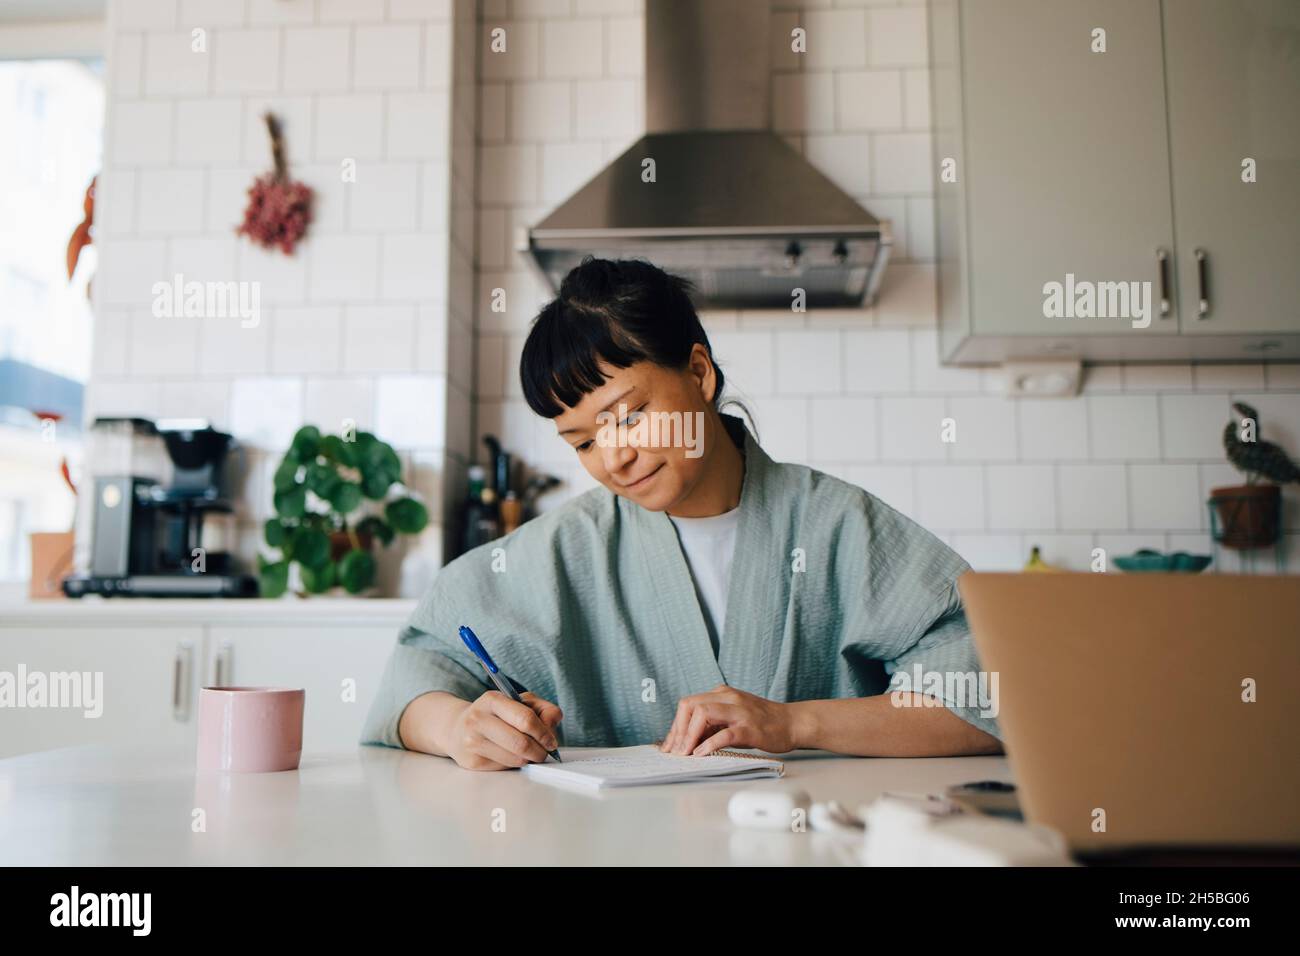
[(497, 733)]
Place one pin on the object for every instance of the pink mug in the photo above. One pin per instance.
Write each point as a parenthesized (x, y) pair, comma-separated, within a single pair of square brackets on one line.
[(250, 729)]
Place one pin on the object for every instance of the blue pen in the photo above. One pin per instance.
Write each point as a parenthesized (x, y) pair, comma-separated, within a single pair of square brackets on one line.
[(507, 685)]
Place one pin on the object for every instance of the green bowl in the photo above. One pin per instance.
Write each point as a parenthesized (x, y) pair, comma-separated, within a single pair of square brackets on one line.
[(1178, 561)]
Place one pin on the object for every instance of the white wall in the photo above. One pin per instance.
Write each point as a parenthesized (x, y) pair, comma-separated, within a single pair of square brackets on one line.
[(858, 394), (49, 39), (565, 98), (362, 322)]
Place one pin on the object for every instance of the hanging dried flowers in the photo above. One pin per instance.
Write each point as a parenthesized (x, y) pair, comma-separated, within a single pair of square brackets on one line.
[(279, 208)]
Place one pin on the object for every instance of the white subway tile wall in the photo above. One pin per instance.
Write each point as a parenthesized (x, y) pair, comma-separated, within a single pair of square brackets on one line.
[(1127, 464), (356, 325)]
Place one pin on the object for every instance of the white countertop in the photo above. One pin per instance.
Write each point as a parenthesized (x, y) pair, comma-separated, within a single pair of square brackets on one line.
[(288, 610), (93, 806)]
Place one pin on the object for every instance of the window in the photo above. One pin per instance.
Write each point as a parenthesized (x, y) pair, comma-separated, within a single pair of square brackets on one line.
[(51, 112)]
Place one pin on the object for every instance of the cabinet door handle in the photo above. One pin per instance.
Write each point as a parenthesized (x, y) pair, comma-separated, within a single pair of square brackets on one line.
[(223, 665), (1162, 258), (181, 682), (1202, 283)]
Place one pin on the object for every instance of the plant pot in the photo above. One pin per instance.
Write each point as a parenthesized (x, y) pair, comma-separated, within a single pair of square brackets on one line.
[(1249, 516), (341, 543)]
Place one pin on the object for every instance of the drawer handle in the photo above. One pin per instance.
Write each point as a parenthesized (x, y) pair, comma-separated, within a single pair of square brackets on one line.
[(223, 665), (1162, 258), (1203, 283), (181, 682)]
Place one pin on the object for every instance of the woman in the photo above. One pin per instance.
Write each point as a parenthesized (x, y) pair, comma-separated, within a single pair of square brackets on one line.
[(703, 597)]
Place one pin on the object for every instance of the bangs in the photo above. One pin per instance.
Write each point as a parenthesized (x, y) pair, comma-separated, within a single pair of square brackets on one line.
[(560, 361)]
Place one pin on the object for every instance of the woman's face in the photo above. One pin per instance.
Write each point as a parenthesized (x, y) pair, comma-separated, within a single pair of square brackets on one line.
[(647, 433)]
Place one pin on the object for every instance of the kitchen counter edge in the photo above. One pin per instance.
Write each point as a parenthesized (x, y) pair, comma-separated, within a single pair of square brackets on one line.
[(206, 611)]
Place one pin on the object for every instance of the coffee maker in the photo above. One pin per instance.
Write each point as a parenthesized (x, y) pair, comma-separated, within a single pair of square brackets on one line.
[(147, 536)]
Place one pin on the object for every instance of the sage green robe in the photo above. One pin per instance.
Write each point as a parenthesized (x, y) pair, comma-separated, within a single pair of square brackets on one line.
[(592, 606)]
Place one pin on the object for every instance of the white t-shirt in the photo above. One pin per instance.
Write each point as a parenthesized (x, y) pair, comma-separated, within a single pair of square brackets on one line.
[(709, 544)]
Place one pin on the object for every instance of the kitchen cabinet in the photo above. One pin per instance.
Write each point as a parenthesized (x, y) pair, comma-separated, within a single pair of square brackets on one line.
[(154, 656), (1060, 161), (1026, 146), (1233, 74), (142, 682), (338, 667)]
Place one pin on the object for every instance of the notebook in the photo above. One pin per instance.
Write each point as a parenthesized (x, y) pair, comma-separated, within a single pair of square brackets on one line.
[(646, 765)]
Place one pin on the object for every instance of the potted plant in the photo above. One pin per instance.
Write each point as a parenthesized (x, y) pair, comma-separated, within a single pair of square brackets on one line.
[(1249, 515), (327, 512)]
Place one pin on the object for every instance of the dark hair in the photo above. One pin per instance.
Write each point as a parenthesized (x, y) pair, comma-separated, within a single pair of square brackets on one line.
[(622, 311)]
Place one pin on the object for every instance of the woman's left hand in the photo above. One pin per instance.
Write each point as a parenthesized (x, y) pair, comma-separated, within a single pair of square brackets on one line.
[(727, 717)]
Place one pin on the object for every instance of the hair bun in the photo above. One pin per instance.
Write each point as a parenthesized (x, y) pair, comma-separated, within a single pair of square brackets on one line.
[(592, 279)]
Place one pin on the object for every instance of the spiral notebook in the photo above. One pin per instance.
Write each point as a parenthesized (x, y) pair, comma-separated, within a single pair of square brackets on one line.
[(647, 765)]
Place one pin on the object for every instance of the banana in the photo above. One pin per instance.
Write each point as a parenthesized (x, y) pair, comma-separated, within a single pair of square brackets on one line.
[(1037, 565)]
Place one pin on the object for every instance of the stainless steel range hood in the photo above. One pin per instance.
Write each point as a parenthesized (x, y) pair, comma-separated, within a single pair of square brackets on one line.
[(731, 206)]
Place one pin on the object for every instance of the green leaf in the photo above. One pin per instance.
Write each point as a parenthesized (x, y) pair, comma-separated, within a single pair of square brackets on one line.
[(319, 580), (306, 443), (311, 548), (378, 527), (273, 578), (361, 447), (375, 484), (377, 457), (318, 521), (336, 449), (291, 503), (357, 570), (322, 480), (286, 476), (273, 531), (407, 515), (392, 464), (291, 534), (346, 497)]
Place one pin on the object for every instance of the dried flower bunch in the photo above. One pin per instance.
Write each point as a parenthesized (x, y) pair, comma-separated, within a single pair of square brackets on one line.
[(279, 208)]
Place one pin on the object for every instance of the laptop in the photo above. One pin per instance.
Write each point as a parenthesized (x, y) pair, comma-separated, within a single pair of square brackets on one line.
[(1123, 703)]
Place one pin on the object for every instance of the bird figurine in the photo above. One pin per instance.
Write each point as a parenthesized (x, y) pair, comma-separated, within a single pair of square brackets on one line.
[(1258, 459)]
